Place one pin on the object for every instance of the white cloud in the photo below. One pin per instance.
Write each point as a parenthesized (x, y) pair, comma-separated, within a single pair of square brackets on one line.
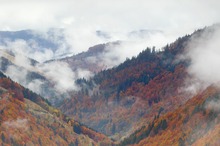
[(35, 85), (82, 73), (132, 45), (204, 52), (59, 73), (17, 74), (26, 49)]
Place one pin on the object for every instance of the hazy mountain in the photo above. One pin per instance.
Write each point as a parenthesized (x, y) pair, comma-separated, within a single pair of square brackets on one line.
[(43, 40), (39, 76), (92, 60)]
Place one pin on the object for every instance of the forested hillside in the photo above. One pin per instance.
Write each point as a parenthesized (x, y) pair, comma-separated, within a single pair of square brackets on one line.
[(194, 123), (117, 101), (28, 119)]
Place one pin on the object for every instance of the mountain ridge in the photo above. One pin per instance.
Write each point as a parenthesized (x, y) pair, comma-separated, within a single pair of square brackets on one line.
[(126, 97)]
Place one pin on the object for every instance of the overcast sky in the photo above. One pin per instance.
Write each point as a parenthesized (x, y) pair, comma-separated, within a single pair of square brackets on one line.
[(117, 17), (108, 14)]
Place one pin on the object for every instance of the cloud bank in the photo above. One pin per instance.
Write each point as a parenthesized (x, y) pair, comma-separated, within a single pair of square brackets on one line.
[(60, 74), (132, 45), (204, 52)]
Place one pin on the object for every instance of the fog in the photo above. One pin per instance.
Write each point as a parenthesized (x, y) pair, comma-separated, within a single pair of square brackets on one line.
[(204, 52)]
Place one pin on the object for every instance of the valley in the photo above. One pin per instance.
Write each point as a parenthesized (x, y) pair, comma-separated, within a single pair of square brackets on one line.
[(150, 99)]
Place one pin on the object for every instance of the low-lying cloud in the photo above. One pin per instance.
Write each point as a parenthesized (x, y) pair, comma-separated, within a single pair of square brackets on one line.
[(28, 48), (60, 74), (204, 52), (52, 80), (130, 45)]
